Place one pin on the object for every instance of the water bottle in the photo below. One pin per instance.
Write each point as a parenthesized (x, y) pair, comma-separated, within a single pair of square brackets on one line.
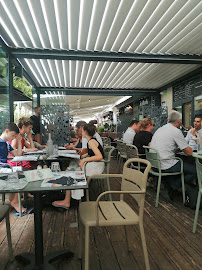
[(199, 144), (50, 145)]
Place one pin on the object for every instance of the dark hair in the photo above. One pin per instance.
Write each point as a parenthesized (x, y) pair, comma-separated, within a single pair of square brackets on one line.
[(91, 129), (25, 121), (36, 108), (133, 122), (11, 127), (80, 124), (93, 122), (145, 122), (198, 116)]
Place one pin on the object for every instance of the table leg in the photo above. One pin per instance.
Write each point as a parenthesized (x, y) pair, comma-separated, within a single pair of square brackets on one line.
[(38, 261)]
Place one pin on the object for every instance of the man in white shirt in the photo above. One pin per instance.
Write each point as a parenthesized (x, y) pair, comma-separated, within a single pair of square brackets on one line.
[(165, 140), (129, 135), (193, 133)]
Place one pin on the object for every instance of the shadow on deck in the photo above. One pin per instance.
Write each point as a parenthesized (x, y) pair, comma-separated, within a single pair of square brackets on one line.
[(168, 228)]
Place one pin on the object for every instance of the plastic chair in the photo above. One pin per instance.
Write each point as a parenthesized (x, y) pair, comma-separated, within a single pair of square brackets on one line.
[(113, 213), (4, 213), (107, 159), (122, 152), (106, 141), (132, 152), (154, 159), (199, 175)]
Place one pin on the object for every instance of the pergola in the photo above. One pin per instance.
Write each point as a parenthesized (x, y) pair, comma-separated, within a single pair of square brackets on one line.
[(100, 47)]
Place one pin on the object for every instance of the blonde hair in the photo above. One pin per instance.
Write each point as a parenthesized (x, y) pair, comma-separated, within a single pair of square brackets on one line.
[(145, 122), (25, 121)]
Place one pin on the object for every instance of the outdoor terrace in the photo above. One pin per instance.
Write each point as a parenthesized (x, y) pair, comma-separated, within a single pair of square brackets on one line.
[(168, 228)]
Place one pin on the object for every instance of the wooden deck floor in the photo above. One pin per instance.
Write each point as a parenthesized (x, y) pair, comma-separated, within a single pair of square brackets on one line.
[(168, 228)]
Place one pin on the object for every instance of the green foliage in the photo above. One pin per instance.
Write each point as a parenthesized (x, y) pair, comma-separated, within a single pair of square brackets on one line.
[(21, 84), (101, 129), (106, 126)]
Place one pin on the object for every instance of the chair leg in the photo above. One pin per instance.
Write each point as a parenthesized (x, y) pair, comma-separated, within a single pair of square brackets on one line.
[(158, 191), (127, 237), (87, 195), (196, 212), (108, 184), (119, 163), (183, 188), (10, 249), (80, 239), (20, 205), (144, 246), (87, 240), (3, 198)]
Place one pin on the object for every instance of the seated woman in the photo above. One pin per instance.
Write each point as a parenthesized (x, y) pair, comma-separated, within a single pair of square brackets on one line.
[(25, 125), (144, 136), (95, 153)]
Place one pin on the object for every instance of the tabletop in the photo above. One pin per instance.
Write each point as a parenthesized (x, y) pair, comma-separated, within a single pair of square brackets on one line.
[(36, 186)]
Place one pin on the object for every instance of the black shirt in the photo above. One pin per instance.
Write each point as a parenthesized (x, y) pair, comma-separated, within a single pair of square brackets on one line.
[(90, 151), (36, 125), (142, 138)]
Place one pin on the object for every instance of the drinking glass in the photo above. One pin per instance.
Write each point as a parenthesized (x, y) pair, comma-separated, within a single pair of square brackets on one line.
[(55, 167), (55, 150), (13, 181)]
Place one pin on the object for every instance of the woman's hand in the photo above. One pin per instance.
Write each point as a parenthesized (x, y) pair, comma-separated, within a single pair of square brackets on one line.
[(81, 163), (19, 138)]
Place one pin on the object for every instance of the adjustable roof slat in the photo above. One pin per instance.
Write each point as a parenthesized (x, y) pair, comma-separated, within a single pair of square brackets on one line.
[(96, 19), (84, 23)]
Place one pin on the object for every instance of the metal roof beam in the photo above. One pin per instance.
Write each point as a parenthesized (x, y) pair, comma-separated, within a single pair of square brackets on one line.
[(106, 56), (98, 91)]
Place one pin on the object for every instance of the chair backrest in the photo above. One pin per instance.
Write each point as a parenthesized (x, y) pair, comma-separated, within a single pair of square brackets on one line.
[(134, 179), (122, 148), (152, 156), (131, 151), (199, 170), (108, 152), (106, 141)]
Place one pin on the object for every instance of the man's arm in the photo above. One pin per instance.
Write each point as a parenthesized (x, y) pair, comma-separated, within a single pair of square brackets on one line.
[(188, 151)]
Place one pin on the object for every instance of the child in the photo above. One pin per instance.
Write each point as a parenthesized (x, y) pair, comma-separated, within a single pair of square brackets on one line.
[(10, 133)]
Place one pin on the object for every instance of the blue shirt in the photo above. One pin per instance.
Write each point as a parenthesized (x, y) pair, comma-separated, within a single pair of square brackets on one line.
[(5, 148)]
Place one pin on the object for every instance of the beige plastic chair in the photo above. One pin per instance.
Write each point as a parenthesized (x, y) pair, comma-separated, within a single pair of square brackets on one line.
[(199, 175), (154, 159), (4, 213), (112, 213)]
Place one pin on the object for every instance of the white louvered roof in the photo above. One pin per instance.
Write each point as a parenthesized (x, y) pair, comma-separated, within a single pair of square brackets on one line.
[(135, 26)]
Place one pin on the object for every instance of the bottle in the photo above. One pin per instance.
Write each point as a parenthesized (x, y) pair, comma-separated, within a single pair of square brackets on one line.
[(50, 145)]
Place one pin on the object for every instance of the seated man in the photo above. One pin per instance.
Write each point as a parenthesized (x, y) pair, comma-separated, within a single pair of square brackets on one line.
[(165, 140), (10, 133), (130, 132), (193, 133)]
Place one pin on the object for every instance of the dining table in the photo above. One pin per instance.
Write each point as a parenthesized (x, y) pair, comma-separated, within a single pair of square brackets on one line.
[(38, 261)]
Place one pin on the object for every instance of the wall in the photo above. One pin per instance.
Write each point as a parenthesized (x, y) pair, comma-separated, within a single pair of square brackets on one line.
[(167, 98)]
